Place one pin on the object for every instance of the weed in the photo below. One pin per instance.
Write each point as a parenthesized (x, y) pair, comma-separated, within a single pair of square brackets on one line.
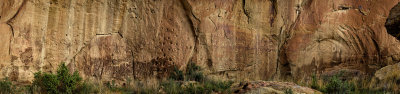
[(176, 75), (193, 73), (87, 88), (314, 82), (6, 86), (111, 86), (200, 86), (289, 91), (172, 87)]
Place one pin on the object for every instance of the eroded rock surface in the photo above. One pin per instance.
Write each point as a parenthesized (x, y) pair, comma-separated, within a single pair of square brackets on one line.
[(272, 87), (387, 78), (232, 39)]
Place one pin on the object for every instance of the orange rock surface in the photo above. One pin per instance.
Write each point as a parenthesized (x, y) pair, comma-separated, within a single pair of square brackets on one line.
[(230, 39)]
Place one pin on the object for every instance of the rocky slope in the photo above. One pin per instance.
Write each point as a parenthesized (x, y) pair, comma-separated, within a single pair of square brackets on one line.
[(233, 39)]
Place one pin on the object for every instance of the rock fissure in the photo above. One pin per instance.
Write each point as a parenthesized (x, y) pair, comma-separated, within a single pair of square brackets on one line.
[(245, 11), (274, 10), (194, 31)]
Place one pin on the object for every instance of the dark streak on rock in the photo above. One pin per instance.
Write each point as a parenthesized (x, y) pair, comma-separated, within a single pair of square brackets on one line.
[(12, 28), (18, 11), (245, 11), (214, 24), (189, 13), (274, 10), (120, 34)]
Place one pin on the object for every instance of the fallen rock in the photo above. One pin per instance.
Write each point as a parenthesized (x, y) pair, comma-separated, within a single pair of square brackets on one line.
[(273, 87), (388, 72), (387, 78)]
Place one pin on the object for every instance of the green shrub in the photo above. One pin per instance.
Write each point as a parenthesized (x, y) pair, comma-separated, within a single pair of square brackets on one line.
[(68, 82), (87, 88), (217, 86), (314, 82), (172, 87), (46, 82), (176, 75), (193, 72), (112, 86), (334, 85), (289, 91), (62, 82), (201, 86), (6, 86), (196, 89)]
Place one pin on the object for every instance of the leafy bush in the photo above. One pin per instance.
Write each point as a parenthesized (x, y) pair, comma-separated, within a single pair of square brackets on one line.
[(176, 75), (62, 82), (336, 85), (68, 82), (6, 86), (193, 72), (46, 82)]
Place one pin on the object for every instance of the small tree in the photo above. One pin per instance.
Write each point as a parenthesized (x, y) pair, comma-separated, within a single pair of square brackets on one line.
[(62, 82)]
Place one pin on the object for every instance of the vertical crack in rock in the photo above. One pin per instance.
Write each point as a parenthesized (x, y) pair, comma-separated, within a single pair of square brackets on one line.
[(189, 13), (122, 17), (15, 15), (278, 52), (376, 44), (12, 36), (194, 22), (133, 63), (12, 29), (8, 22), (246, 12), (215, 25), (274, 10), (282, 63)]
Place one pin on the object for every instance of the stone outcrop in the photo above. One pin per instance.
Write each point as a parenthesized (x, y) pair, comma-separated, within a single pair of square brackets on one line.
[(231, 39), (387, 78), (272, 87)]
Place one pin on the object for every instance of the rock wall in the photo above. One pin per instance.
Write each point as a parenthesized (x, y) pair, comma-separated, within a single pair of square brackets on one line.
[(230, 39)]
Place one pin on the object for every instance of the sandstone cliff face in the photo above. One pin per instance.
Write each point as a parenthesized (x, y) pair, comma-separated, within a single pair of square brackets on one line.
[(233, 39)]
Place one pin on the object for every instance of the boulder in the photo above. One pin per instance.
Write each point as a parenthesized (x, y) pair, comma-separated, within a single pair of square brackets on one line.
[(387, 78), (273, 87)]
